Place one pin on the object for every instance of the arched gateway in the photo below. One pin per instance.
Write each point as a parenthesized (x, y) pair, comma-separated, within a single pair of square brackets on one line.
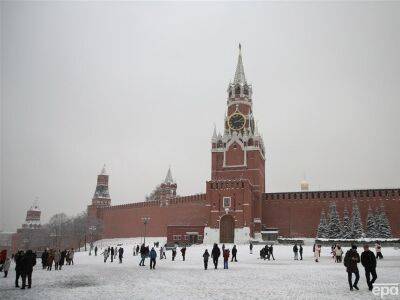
[(227, 229)]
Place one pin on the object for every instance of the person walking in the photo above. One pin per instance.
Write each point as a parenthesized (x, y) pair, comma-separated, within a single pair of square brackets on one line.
[(296, 252), (338, 253), (226, 258), (271, 251), (28, 261), (317, 250), (153, 256), (112, 254), (72, 253), (120, 254), (142, 255), (44, 257), (105, 255), (351, 259), (251, 248), (95, 251), (183, 251), (6, 266), (63, 255), (173, 252), (215, 253), (18, 258), (161, 252), (301, 252), (368, 260), (137, 249), (234, 252), (378, 250), (57, 256), (50, 259), (206, 256)]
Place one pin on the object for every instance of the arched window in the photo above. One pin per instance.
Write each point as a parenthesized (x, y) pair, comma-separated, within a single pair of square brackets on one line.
[(246, 90), (237, 90)]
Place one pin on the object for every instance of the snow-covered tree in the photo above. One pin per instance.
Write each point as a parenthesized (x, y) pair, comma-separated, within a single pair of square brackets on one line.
[(382, 224), (346, 228), (322, 227), (356, 224), (371, 230), (334, 228)]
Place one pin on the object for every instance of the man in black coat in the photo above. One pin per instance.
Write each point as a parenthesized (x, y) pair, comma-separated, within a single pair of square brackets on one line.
[(234, 252), (28, 261), (112, 254), (368, 261), (45, 256), (63, 254), (351, 259), (215, 253), (120, 254), (301, 252), (18, 257)]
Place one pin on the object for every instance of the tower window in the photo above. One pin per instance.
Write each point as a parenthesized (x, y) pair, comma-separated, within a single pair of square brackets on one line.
[(237, 90)]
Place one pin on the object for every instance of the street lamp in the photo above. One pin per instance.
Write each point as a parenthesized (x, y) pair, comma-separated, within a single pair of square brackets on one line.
[(145, 221)]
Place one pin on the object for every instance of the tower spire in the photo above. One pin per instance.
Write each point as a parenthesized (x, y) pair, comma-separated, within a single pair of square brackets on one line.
[(239, 74), (168, 178)]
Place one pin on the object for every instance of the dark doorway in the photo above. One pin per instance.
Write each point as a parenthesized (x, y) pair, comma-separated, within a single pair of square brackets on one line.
[(227, 229)]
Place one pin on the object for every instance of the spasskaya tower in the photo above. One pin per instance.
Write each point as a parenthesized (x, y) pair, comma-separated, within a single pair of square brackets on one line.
[(239, 152), (237, 182)]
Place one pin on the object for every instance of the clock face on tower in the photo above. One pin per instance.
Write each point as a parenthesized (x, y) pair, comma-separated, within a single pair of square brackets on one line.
[(236, 121)]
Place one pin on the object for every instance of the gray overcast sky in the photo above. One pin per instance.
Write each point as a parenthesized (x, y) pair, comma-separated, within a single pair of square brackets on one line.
[(138, 86)]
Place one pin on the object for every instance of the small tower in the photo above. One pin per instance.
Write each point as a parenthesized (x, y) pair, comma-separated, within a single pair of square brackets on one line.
[(166, 190), (101, 195), (304, 185), (32, 220)]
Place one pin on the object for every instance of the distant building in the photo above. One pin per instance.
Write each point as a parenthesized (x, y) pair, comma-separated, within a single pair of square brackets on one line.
[(164, 191)]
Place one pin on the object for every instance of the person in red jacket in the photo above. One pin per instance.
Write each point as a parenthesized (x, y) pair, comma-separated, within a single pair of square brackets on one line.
[(226, 258)]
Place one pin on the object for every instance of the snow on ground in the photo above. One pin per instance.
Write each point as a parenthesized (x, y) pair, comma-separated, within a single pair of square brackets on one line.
[(249, 278)]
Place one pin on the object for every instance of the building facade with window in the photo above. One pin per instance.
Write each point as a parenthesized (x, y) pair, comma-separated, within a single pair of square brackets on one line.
[(235, 207)]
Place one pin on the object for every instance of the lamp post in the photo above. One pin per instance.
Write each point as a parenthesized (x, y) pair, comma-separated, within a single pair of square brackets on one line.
[(145, 221)]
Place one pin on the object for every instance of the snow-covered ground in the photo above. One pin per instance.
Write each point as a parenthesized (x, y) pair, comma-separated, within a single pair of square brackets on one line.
[(249, 278)]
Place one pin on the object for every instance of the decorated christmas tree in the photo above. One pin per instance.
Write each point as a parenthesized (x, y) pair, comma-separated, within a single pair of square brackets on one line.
[(334, 228), (356, 225), (322, 227), (371, 225), (346, 229)]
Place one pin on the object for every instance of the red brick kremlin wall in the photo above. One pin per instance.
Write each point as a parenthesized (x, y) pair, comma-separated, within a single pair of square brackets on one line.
[(298, 214), (126, 220)]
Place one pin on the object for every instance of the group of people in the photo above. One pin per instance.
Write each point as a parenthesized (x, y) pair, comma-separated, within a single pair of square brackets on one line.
[(368, 261), (216, 253), (337, 253), (266, 252), (24, 262), (112, 252), (58, 257)]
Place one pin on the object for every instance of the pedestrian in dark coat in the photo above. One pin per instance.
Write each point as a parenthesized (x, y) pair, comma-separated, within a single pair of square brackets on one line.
[(50, 259), (28, 261), (120, 254), (153, 256), (266, 252), (183, 251), (44, 257), (215, 253), (137, 249), (95, 251), (206, 256), (251, 248), (142, 255), (351, 259), (63, 255), (301, 252), (368, 260), (18, 258), (112, 253), (173, 253), (295, 251), (234, 252), (271, 251)]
